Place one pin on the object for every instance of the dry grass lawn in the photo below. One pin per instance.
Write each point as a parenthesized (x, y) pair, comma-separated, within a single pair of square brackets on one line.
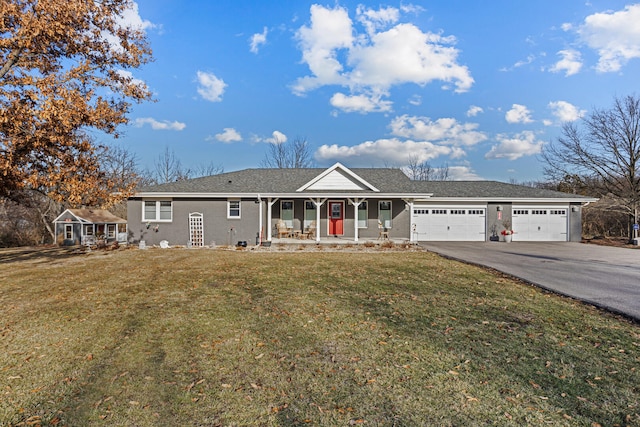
[(213, 337)]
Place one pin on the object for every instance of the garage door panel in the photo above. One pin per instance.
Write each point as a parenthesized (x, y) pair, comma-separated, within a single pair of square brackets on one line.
[(447, 223), (540, 224)]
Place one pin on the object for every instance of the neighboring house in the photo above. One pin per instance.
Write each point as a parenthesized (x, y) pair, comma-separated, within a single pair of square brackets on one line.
[(86, 226), (254, 205)]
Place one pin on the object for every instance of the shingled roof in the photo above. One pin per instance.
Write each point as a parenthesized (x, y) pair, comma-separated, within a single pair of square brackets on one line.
[(386, 180), (279, 181)]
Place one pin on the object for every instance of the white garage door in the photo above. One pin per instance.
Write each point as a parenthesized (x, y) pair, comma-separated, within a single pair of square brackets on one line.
[(539, 224), (448, 223)]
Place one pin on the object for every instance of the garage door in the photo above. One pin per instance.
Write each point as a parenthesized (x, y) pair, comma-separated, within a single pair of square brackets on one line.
[(448, 223), (539, 224)]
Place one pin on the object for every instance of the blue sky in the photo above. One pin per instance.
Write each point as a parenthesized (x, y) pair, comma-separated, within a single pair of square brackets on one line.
[(478, 86)]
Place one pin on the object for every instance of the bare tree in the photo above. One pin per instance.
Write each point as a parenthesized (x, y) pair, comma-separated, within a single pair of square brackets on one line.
[(207, 170), (168, 168), (606, 151), (288, 155), (424, 171)]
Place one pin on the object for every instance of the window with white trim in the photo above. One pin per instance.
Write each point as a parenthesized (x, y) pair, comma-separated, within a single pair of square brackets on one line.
[(68, 231), (363, 215), (309, 213), (286, 212), (233, 209), (384, 213), (157, 210)]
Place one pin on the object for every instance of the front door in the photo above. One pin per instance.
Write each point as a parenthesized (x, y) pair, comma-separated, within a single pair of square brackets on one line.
[(336, 218)]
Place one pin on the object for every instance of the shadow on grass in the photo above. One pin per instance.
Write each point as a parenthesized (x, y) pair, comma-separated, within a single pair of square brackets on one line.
[(15, 255)]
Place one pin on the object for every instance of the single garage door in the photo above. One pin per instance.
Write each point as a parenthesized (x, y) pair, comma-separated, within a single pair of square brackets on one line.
[(539, 224), (449, 223)]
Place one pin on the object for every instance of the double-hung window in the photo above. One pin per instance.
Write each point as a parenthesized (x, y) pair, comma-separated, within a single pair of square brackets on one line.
[(362, 215), (384, 213), (157, 210), (233, 209)]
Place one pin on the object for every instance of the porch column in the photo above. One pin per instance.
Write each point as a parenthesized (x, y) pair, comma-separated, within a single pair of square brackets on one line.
[(270, 203), (260, 221), (318, 203), (355, 203)]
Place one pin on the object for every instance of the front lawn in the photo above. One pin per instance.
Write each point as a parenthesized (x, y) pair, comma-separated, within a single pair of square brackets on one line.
[(214, 337)]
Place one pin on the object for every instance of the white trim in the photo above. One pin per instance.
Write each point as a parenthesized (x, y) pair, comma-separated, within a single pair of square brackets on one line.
[(342, 168), (157, 216), (229, 216)]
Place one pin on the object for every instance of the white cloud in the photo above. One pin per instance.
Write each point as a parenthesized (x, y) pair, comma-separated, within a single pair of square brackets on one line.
[(571, 62), (258, 39), (129, 75), (229, 135), (360, 103), (386, 53), (474, 110), (415, 100), (131, 18), (614, 35), (444, 131), (566, 112), (374, 20), (514, 147), (463, 173), (210, 87), (382, 152), (518, 114), (159, 125), (277, 137)]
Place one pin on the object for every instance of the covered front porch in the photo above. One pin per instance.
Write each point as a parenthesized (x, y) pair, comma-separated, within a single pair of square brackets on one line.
[(339, 220)]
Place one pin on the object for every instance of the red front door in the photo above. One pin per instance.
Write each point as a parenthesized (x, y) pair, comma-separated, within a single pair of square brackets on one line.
[(336, 218)]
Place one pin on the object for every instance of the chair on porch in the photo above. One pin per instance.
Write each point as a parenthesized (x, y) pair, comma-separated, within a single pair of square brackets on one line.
[(283, 230), (383, 232), (310, 232)]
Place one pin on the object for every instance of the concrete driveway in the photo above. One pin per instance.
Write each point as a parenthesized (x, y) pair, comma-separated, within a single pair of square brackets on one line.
[(606, 277)]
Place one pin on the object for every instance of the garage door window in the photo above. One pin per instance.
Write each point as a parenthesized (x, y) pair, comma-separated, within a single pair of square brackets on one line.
[(558, 212), (539, 212), (521, 212), (439, 211)]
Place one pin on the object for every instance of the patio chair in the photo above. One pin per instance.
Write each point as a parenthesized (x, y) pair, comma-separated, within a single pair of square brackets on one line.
[(383, 232), (310, 232), (283, 230)]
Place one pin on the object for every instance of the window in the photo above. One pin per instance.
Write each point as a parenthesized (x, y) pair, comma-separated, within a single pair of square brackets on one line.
[(309, 214), (88, 230), (68, 231), (439, 211), (539, 212), (233, 209), (558, 212), (286, 212), (521, 212), (384, 213), (421, 211), (476, 211), (458, 212), (111, 231), (363, 215), (157, 210)]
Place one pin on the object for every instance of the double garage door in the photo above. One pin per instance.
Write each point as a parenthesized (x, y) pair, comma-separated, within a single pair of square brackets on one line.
[(449, 223), (539, 224), (468, 223)]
